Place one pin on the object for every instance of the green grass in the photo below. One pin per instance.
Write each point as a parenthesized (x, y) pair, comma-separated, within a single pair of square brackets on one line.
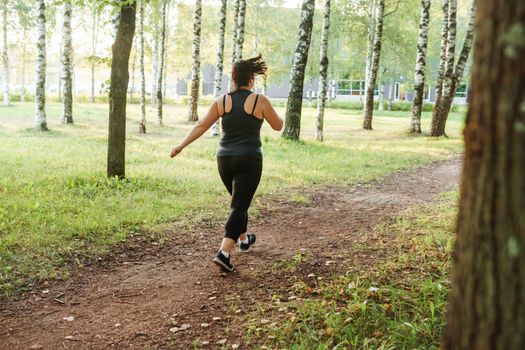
[(57, 207), (397, 304)]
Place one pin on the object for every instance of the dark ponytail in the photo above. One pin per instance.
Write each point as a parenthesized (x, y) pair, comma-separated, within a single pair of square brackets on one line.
[(244, 70)]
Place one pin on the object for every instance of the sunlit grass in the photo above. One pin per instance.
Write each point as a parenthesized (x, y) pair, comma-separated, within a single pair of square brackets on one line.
[(57, 206)]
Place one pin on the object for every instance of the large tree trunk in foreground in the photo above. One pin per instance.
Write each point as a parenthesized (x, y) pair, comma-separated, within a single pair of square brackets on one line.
[(67, 76), (196, 62), (421, 62), (142, 125), (323, 72), (5, 57), (449, 68), (219, 64), (117, 91), (162, 49), (443, 52), (369, 97), (443, 109), (40, 91), (487, 301), (240, 29), (292, 126)]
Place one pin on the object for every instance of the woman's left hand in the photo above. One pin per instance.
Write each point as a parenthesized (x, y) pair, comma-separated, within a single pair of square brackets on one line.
[(175, 151)]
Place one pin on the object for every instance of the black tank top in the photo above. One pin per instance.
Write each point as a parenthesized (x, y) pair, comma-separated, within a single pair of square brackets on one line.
[(241, 132)]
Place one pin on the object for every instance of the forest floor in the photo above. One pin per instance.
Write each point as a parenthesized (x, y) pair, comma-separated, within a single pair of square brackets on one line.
[(150, 294)]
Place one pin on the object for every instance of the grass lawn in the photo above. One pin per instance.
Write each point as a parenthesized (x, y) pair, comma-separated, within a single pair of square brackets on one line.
[(57, 207)]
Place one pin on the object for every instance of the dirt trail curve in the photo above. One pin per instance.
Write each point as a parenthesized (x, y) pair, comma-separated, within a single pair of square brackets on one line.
[(131, 299)]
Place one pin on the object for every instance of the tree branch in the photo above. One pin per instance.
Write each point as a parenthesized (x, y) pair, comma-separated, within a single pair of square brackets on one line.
[(394, 10)]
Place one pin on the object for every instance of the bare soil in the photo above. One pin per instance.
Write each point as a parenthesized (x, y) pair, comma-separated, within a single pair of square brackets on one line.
[(131, 298)]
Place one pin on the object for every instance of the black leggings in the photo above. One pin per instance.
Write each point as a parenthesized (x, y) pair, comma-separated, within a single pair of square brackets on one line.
[(241, 176)]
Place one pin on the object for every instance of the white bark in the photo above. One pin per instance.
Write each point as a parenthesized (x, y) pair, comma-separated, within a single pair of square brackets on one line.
[(241, 19), (443, 53), (66, 74), (5, 57), (160, 73), (323, 72), (219, 65), (40, 92), (196, 62), (370, 39), (142, 126)]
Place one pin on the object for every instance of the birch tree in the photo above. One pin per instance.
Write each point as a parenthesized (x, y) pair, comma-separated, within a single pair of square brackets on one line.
[(67, 53), (118, 90), (236, 6), (292, 127), (486, 303), (369, 97), (370, 39), (40, 91), (142, 125), (241, 20), (421, 60), (162, 48), (323, 71), (95, 16), (155, 55), (219, 65), (450, 85), (443, 52), (5, 57), (196, 61)]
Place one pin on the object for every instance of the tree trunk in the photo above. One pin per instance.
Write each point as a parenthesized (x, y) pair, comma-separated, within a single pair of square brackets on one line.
[(117, 91), (40, 91), (133, 66), (219, 65), (67, 53), (370, 39), (449, 70), (142, 125), (160, 75), (486, 305), (94, 30), (240, 29), (23, 73), (443, 54), (196, 62), (292, 127), (381, 106), (446, 101), (421, 61), (323, 72), (5, 57), (235, 33), (155, 58), (369, 97), (391, 89)]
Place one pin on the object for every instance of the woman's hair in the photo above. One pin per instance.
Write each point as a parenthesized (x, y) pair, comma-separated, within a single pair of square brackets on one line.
[(244, 70)]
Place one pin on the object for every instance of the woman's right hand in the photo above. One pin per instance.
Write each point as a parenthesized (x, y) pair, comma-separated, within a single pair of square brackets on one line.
[(175, 151)]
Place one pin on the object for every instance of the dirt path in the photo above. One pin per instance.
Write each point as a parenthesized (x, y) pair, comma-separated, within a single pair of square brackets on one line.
[(131, 299)]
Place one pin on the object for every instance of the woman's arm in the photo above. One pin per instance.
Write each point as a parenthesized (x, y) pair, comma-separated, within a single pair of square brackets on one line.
[(199, 128), (270, 114)]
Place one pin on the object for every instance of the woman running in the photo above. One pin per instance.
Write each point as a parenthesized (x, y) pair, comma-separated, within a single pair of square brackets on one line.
[(239, 157)]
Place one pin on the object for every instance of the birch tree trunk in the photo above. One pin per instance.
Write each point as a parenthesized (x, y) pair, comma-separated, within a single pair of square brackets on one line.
[(155, 58), (487, 302), (370, 40), (142, 125), (369, 97), (240, 29), (219, 65), (421, 61), (323, 72), (443, 53), (67, 53), (442, 110), (292, 126), (235, 33), (449, 69), (118, 90), (132, 87), (160, 73), (196, 62), (5, 57), (94, 31), (391, 89), (381, 106), (40, 91)]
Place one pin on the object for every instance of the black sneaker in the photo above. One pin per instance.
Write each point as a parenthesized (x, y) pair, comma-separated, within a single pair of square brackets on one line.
[(223, 262), (243, 247)]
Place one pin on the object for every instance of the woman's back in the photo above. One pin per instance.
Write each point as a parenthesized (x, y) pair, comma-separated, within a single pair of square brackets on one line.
[(240, 130)]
